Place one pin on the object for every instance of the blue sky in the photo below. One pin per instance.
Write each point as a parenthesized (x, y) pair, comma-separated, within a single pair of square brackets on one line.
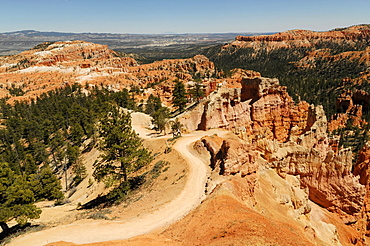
[(190, 16)]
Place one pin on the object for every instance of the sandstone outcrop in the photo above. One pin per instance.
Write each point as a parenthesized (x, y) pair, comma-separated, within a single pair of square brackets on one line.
[(53, 65), (290, 139), (320, 46), (67, 54), (231, 156), (239, 73), (351, 33), (260, 108), (354, 32), (362, 168), (352, 103)]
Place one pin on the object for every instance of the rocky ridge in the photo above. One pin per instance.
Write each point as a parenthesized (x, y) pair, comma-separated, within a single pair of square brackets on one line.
[(281, 164), (353, 32), (347, 44), (275, 134), (52, 65), (260, 108), (311, 64), (306, 37)]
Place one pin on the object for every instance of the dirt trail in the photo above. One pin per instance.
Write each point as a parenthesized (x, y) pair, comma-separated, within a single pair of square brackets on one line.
[(88, 231)]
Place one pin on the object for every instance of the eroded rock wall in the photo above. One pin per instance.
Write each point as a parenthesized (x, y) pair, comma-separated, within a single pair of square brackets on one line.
[(261, 107), (290, 139)]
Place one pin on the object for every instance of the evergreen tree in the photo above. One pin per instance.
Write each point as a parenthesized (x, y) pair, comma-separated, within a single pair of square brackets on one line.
[(45, 185), (16, 198), (74, 160), (176, 126), (29, 165), (123, 150), (179, 95), (197, 91), (160, 117), (153, 104)]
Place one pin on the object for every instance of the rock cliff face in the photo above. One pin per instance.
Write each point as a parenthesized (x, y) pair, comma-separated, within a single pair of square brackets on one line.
[(362, 169), (261, 106), (292, 140), (335, 54), (353, 103), (66, 54), (305, 37), (354, 32)]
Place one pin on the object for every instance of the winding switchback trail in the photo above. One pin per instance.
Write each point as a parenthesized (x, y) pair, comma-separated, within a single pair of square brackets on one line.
[(89, 231)]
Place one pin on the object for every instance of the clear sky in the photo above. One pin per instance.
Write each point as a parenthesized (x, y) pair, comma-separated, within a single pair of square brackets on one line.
[(185, 16)]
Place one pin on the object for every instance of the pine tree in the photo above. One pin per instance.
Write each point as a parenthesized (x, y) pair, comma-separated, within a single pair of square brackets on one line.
[(16, 198), (45, 185), (160, 117), (176, 127), (152, 104), (179, 95), (197, 91), (123, 150)]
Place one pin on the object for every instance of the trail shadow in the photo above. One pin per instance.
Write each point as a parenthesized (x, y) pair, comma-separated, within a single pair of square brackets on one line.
[(116, 195), (100, 201), (16, 230), (156, 134), (152, 134)]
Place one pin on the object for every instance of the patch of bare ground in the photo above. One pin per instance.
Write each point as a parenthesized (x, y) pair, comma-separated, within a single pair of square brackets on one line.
[(166, 178), (239, 212), (222, 219), (152, 240)]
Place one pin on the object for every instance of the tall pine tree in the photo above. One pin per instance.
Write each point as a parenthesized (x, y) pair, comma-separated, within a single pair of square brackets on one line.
[(123, 150), (197, 91), (16, 198), (179, 95)]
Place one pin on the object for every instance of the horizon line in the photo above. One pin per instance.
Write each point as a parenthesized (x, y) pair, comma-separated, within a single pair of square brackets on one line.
[(117, 33), (173, 33)]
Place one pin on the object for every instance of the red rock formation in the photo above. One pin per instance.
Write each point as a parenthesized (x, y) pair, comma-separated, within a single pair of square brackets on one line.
[(239, 73), (306, 39), (266, 115), (349, 98), (362, 169), (93, 65), (260, 105), (351, 103), (352, 33), (231, 156), (237, 157)]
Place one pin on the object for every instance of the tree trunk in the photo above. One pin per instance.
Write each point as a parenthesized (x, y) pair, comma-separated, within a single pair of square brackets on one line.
[(123, 168), (5, 227)]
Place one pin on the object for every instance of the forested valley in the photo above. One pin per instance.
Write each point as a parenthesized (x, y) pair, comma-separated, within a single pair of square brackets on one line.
[(40, 140), (318, 82), (317, 73)]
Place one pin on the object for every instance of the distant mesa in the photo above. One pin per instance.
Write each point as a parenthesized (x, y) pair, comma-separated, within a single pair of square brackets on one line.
[(353, 32)]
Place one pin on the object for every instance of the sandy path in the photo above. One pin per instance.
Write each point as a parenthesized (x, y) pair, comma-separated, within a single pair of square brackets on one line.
[(89, 231)]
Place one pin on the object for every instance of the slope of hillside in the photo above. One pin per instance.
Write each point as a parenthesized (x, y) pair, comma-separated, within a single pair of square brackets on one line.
[(264, 164), (53, 65), (268, 191), (311, 64), (83, 231)]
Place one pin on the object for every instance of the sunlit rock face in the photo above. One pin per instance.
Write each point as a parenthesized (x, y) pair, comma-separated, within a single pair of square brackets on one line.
[(292, 140), (260, 107), (54, 65)]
